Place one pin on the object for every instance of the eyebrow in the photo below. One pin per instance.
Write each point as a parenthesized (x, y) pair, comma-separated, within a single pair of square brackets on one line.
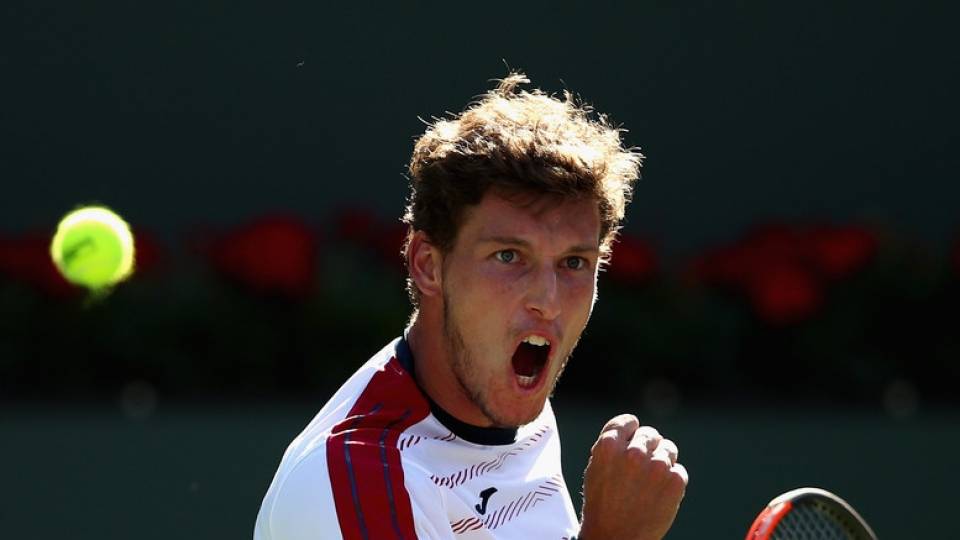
[(514, 241)]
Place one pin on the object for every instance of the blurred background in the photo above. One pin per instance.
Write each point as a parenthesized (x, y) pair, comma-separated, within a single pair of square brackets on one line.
[(781, 302)]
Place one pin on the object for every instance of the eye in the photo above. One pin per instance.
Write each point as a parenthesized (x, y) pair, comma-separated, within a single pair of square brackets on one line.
[(575, 263), (506, 255)]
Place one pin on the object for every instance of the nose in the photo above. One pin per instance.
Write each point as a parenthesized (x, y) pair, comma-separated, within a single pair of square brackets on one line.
[(543, 297)]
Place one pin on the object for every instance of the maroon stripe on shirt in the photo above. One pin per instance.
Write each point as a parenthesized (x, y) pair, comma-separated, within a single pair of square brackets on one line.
[(364, 462)]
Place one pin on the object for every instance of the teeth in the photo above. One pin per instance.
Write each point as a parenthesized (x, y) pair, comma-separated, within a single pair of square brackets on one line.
[(526, 381), (539, 341)]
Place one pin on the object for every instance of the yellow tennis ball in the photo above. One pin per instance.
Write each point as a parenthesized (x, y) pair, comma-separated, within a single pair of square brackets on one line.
[(93, 247)]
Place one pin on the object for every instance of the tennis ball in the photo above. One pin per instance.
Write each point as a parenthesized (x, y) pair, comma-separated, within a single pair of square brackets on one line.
[(93, 247)]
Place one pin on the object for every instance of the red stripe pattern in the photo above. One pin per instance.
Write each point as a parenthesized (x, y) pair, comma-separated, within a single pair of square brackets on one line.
[(514, 508), (455, 479), (411, 440), (363, 458)]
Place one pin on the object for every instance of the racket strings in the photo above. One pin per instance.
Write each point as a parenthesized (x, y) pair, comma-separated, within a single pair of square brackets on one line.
[(816, 521)]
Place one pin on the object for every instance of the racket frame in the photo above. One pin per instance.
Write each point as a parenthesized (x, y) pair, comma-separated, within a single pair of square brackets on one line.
[(765, 523)]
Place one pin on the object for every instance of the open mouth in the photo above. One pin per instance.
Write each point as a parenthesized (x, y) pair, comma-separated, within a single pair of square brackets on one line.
[(529, 359)]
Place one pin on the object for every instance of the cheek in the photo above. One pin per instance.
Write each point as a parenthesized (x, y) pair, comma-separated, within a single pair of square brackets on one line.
[(469, 282), (499, 284), (484, 297), (578, 305), (581, 291)]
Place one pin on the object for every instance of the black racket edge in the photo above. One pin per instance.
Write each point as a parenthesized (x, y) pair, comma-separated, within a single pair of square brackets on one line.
[(771, 515)]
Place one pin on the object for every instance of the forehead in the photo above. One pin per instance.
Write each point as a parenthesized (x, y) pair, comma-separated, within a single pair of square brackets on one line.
[(533, 217)]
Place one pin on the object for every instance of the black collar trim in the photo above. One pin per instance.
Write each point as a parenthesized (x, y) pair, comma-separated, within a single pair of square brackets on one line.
[(489, 436)]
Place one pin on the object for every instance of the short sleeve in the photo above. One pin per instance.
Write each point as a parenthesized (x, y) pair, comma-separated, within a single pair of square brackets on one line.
[(300, 506)]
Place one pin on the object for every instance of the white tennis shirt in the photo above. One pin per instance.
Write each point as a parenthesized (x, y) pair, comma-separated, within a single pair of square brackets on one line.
[(379, 461)]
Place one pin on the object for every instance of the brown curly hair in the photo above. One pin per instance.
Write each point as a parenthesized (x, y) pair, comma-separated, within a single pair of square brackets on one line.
[(518, 141)]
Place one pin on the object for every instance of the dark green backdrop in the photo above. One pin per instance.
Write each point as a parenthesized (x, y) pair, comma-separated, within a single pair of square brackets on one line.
[(187, 112), (200, 472)]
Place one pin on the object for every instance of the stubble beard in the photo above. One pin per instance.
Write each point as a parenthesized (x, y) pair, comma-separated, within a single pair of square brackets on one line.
[(462, 363)]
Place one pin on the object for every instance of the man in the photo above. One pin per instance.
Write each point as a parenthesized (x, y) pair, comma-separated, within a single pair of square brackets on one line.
[(448, 431)]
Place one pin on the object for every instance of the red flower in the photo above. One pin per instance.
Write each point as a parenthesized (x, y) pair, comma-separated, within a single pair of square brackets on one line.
[(784, 294), (837, 252), (738, 264), (363, 228), (273, 254), (781, 268)]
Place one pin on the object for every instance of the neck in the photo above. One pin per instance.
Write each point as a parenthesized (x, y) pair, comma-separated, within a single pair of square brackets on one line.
[(434, 370)]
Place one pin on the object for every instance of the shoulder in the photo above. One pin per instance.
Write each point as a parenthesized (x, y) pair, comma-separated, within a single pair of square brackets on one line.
[(300, 503), (345, 468), (381, 396), (367, 489)]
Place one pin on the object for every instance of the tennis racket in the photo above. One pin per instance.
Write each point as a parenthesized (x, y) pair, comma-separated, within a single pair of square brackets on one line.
[(809, 514)]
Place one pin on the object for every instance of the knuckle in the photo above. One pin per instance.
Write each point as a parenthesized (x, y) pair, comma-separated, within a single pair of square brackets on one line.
[(622, 422), (647, 438), (668, 448), (650, 432), (660, 467), (636, 456), (606, 444), (668, 445), (679, 476)]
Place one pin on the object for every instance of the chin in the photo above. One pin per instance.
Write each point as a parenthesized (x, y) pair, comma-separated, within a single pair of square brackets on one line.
[(516, 418)]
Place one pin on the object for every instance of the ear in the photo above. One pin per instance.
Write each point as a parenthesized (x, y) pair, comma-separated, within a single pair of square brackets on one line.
[(424, 262)]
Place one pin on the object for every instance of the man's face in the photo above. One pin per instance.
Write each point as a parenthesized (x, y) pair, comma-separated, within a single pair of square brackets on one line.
[(518, 272)]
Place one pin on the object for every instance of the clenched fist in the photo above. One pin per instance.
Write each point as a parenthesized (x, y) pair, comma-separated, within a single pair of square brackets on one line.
[(633, 485)]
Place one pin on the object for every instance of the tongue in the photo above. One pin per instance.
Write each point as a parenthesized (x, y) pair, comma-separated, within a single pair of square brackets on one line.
[(526, 360)]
